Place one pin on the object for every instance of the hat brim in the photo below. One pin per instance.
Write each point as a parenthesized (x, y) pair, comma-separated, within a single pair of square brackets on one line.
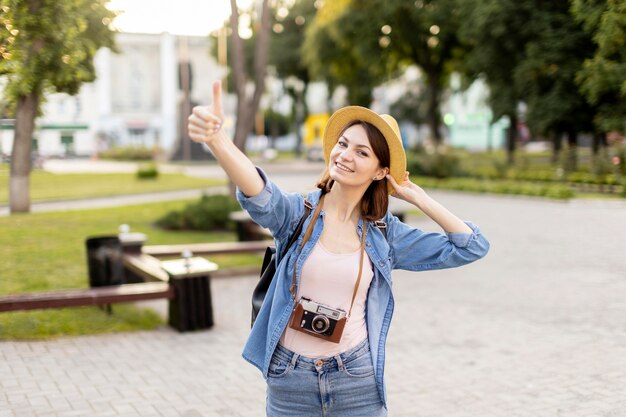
[(346, 115)]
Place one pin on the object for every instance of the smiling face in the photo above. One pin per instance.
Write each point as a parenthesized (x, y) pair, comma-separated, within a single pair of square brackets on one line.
[(352, 160)]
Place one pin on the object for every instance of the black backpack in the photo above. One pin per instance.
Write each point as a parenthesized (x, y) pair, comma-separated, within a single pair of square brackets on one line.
[(268, 268)]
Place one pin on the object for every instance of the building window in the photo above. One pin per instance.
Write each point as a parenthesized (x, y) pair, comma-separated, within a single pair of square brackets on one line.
[(137, 136), (78, 107), (67, 142)]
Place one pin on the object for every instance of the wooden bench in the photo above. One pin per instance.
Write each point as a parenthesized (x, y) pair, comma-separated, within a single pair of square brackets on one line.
[(188, 292), (230, 248), (87, 297)]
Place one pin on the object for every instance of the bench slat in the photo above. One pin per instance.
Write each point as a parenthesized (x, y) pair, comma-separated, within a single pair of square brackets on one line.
[(146, 266), (208, 248), (86, 297)]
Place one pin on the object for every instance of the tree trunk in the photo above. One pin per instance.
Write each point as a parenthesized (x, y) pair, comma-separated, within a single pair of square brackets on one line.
[(598, 140), (248, 107), (572, 151), (556, 147), (244, 123), (511, 140), (299, 112), (433, 114), (295, 119), (19, 188)]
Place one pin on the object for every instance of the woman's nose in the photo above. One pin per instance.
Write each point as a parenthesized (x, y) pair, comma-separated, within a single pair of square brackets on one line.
[(345, 154)]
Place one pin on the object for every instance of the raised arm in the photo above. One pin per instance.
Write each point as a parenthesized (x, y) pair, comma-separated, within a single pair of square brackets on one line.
[(415, 250), (415, 195), (205, 126)]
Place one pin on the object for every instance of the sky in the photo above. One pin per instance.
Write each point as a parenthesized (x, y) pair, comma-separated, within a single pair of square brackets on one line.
[(181, 17)]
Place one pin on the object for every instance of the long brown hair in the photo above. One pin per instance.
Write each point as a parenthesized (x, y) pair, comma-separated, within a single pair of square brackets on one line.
[(375, 201)]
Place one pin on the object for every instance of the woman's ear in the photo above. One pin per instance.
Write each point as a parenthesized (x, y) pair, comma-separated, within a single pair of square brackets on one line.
[(382, 173)]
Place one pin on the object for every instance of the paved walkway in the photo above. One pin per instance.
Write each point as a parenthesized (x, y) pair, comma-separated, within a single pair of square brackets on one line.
[(536, 329)]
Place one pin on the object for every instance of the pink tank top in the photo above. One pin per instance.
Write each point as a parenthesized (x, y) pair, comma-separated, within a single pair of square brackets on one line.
[(329, 278)]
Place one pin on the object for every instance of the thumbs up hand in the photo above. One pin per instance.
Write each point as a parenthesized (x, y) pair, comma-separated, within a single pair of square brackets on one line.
[(205, 122)]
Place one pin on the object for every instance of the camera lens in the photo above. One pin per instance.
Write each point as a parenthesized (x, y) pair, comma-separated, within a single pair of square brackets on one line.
[(320, 324)]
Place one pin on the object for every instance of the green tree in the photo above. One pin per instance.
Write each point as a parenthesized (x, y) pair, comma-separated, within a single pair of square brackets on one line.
[(248, 105), (553, 57), (45, 46), (497, 31), (335, 51), (603, 76), (422, 33), (375, 39)]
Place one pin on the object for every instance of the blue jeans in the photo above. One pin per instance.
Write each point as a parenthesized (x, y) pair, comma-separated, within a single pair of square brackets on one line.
[(339, 386)]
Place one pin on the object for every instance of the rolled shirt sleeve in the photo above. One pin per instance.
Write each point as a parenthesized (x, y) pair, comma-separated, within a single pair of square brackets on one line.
[(273, 208), (415, 250)]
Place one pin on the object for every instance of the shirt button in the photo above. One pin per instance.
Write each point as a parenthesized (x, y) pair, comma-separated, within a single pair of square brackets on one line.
[(382, 263)]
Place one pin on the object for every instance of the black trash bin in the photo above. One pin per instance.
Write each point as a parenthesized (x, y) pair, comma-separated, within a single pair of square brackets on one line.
[(104, 261)]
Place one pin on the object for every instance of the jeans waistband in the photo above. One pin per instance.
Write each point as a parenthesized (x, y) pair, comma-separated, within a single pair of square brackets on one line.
[(324, 363)]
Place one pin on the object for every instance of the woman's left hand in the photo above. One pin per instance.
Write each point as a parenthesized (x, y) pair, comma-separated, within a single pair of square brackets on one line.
[(407, 191)]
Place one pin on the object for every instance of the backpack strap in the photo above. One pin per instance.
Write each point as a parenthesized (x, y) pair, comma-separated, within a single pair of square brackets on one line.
[(382, 226), (307, 210)]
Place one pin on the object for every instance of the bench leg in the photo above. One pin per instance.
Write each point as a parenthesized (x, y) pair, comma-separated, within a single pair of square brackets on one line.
[(191, 308)]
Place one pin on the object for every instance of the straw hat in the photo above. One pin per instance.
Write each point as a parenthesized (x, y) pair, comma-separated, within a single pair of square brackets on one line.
[(383, 122)]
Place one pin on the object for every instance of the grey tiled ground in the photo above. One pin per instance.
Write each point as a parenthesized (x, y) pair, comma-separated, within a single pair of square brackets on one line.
[(538, 328)]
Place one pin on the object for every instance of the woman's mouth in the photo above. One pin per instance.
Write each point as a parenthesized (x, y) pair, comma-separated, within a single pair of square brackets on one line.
[(343, 167)]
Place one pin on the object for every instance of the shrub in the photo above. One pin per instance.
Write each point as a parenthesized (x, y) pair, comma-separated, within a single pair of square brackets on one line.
[(439, 164), (276, 124), (148, 172), (129, 153), (559, 192), (620, 162), (601, 163), (534, 175), (210, 213), (500, 168), (499, 187)]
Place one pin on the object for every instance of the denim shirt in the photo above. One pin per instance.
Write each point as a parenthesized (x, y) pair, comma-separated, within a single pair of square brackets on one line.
[(404, 248)]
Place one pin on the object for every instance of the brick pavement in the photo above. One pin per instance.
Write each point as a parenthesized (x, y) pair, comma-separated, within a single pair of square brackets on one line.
[(535, 329)]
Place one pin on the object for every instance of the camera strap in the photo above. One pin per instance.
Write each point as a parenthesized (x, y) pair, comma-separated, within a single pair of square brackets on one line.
[(307, 235)]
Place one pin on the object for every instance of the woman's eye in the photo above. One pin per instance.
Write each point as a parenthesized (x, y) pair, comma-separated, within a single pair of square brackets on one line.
[(342, 144)]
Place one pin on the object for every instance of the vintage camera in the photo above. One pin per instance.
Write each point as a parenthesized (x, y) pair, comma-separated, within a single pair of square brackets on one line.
[(318, 320)]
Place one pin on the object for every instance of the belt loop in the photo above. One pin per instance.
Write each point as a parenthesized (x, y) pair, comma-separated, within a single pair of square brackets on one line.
[(339, 362), (294, 360)]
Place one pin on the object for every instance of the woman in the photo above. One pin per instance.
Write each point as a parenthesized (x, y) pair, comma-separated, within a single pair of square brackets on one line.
[(319, 338)]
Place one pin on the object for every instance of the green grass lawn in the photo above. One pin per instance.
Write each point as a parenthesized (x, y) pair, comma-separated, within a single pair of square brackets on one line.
[(46, 251), (49, 186)]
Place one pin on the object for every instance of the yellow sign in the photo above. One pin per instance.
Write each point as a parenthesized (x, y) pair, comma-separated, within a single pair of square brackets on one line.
[(314, 129)]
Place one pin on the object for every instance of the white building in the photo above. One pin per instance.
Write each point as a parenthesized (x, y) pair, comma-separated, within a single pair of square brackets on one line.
[(135, 99)]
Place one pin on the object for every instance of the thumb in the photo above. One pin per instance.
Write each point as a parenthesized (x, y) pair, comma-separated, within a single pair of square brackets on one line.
[(217, 98)]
